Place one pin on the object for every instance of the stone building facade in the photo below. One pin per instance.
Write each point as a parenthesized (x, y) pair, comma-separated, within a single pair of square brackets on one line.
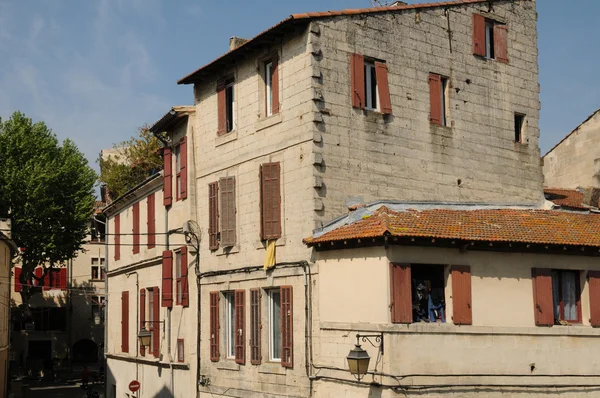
[(8, 250)]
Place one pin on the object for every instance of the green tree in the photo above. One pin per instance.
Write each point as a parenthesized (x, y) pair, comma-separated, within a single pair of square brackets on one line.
[(48, 191), (134, 161)]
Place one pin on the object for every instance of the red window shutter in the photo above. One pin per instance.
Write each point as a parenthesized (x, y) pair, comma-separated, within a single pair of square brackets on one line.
[(479, 35), (287, 327), (270, 200), (46, 278), (63, 279), (156, 326), (18, 284), (143, 317), (461, 295), (125, 321), (401, 293), (183, 167), (228, 210), (168, 177), (38, 272), (167, 278), (594, 281), (151, 216), (275, 86), (435, 98), (214, 326), (255, 357), (357, 80), (185, 297), (381, 72), (240, 326), (136, 228), (542, 296), (117, 237), (213, 215), (221, 108), (501, 43)]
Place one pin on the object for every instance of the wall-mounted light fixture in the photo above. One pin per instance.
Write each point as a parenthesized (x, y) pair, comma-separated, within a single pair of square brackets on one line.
[(358, 359), (145, 335)]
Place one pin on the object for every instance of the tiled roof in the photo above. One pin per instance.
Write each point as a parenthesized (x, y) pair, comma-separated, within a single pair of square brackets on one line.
[(306, 17), (571, 198), (490, 225)]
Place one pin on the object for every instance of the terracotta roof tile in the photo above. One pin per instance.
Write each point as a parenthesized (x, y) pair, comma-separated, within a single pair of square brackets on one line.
[(504, 225), (570, 198)]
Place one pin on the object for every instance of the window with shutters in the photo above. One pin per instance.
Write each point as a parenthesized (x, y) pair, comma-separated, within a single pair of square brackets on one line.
[(179, 281), (490, 38), (214, 326), (270, 200), (150, 315), (125, 321), (117, 234), (274, 325), (178, 172), (566, 297), (226, 106), (213, 215), (180, 352), (167, 177), (519, 127), (369, 84), (152, 319), (227, 213), (229, 324), (240, 329), (438, 99), (255, 327), (270, 76), (151, 220), (136, 228)]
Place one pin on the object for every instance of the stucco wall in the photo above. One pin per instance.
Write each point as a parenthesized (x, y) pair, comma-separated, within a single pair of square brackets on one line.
[(498, 348), (5, 275), (575, 161), (404, 156)]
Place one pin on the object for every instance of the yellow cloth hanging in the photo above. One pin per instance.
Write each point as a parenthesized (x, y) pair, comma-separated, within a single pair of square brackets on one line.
[(270, 254)]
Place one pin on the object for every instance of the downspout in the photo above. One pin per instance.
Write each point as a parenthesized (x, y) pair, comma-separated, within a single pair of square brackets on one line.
[(137, 322), (106, 235)]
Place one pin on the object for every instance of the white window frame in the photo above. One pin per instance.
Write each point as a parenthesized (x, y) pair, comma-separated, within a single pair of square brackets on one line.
[(489, 39), (274, 327), (269, 87), (229, 324), (99, 265), (369, 81), (233, 112)]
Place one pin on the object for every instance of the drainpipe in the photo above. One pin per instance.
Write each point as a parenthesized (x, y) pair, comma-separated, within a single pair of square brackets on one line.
[(106, 235), (137, 322)]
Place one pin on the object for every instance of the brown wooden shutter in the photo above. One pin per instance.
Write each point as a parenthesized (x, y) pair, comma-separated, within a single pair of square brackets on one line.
[(142, 317), (228, 222), (156, 326), (18, 284), (542, 296), (240, 326), (125, 321), (214, 326), (183, 168), (185, 296), (168, 177), (357, 80), (275, 86), (594, 281), (401, 293), (136, 228), (151, 216), (221, 108), (167, 278), (63, 279), (501, 43), (270, 200), (461, 295), (479, 35), (255, 326), (287, 327), (213, 215), (117, 234), (381, 72), (435, 98)]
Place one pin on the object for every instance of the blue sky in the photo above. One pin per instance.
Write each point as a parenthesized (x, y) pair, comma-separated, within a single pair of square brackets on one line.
[(96, 70)]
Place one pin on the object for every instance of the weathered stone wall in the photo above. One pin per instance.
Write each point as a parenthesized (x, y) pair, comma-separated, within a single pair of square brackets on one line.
[(575, 161), (404, 156)]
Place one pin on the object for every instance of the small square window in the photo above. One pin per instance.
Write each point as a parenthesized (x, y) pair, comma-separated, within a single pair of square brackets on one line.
[(519, 127)]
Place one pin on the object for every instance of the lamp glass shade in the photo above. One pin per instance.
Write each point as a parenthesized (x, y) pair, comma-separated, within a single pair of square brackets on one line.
[(144, 336), (358, 361), (97, 320)]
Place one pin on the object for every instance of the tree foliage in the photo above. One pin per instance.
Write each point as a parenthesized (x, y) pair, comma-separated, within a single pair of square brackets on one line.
[(47, 189), (134, 161)]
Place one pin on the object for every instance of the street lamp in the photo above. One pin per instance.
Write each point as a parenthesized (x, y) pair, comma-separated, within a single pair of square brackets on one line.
[(358, 358), (144, 336)]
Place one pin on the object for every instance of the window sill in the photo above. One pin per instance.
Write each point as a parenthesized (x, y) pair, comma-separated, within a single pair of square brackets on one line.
[(228, 364), (225, 138), (268, 122), (262, 244), (273, 368), (224, 251)]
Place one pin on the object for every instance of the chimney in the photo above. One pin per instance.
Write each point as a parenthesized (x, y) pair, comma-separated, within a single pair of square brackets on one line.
[(6, 227), (591, 196), (235, 42)]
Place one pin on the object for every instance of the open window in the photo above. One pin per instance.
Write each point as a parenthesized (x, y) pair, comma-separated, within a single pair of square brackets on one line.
[(566, 297), (226, 106), (271, 81), (369, 84), (490, 38), (519, 127), (428, 293)]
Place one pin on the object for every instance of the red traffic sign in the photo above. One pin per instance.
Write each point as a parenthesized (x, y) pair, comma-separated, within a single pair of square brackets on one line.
[(134, 386)]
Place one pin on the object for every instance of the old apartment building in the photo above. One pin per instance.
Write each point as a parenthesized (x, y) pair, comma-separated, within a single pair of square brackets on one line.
[(63, 325), (429, 112), (8, 250), (149, 229)]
